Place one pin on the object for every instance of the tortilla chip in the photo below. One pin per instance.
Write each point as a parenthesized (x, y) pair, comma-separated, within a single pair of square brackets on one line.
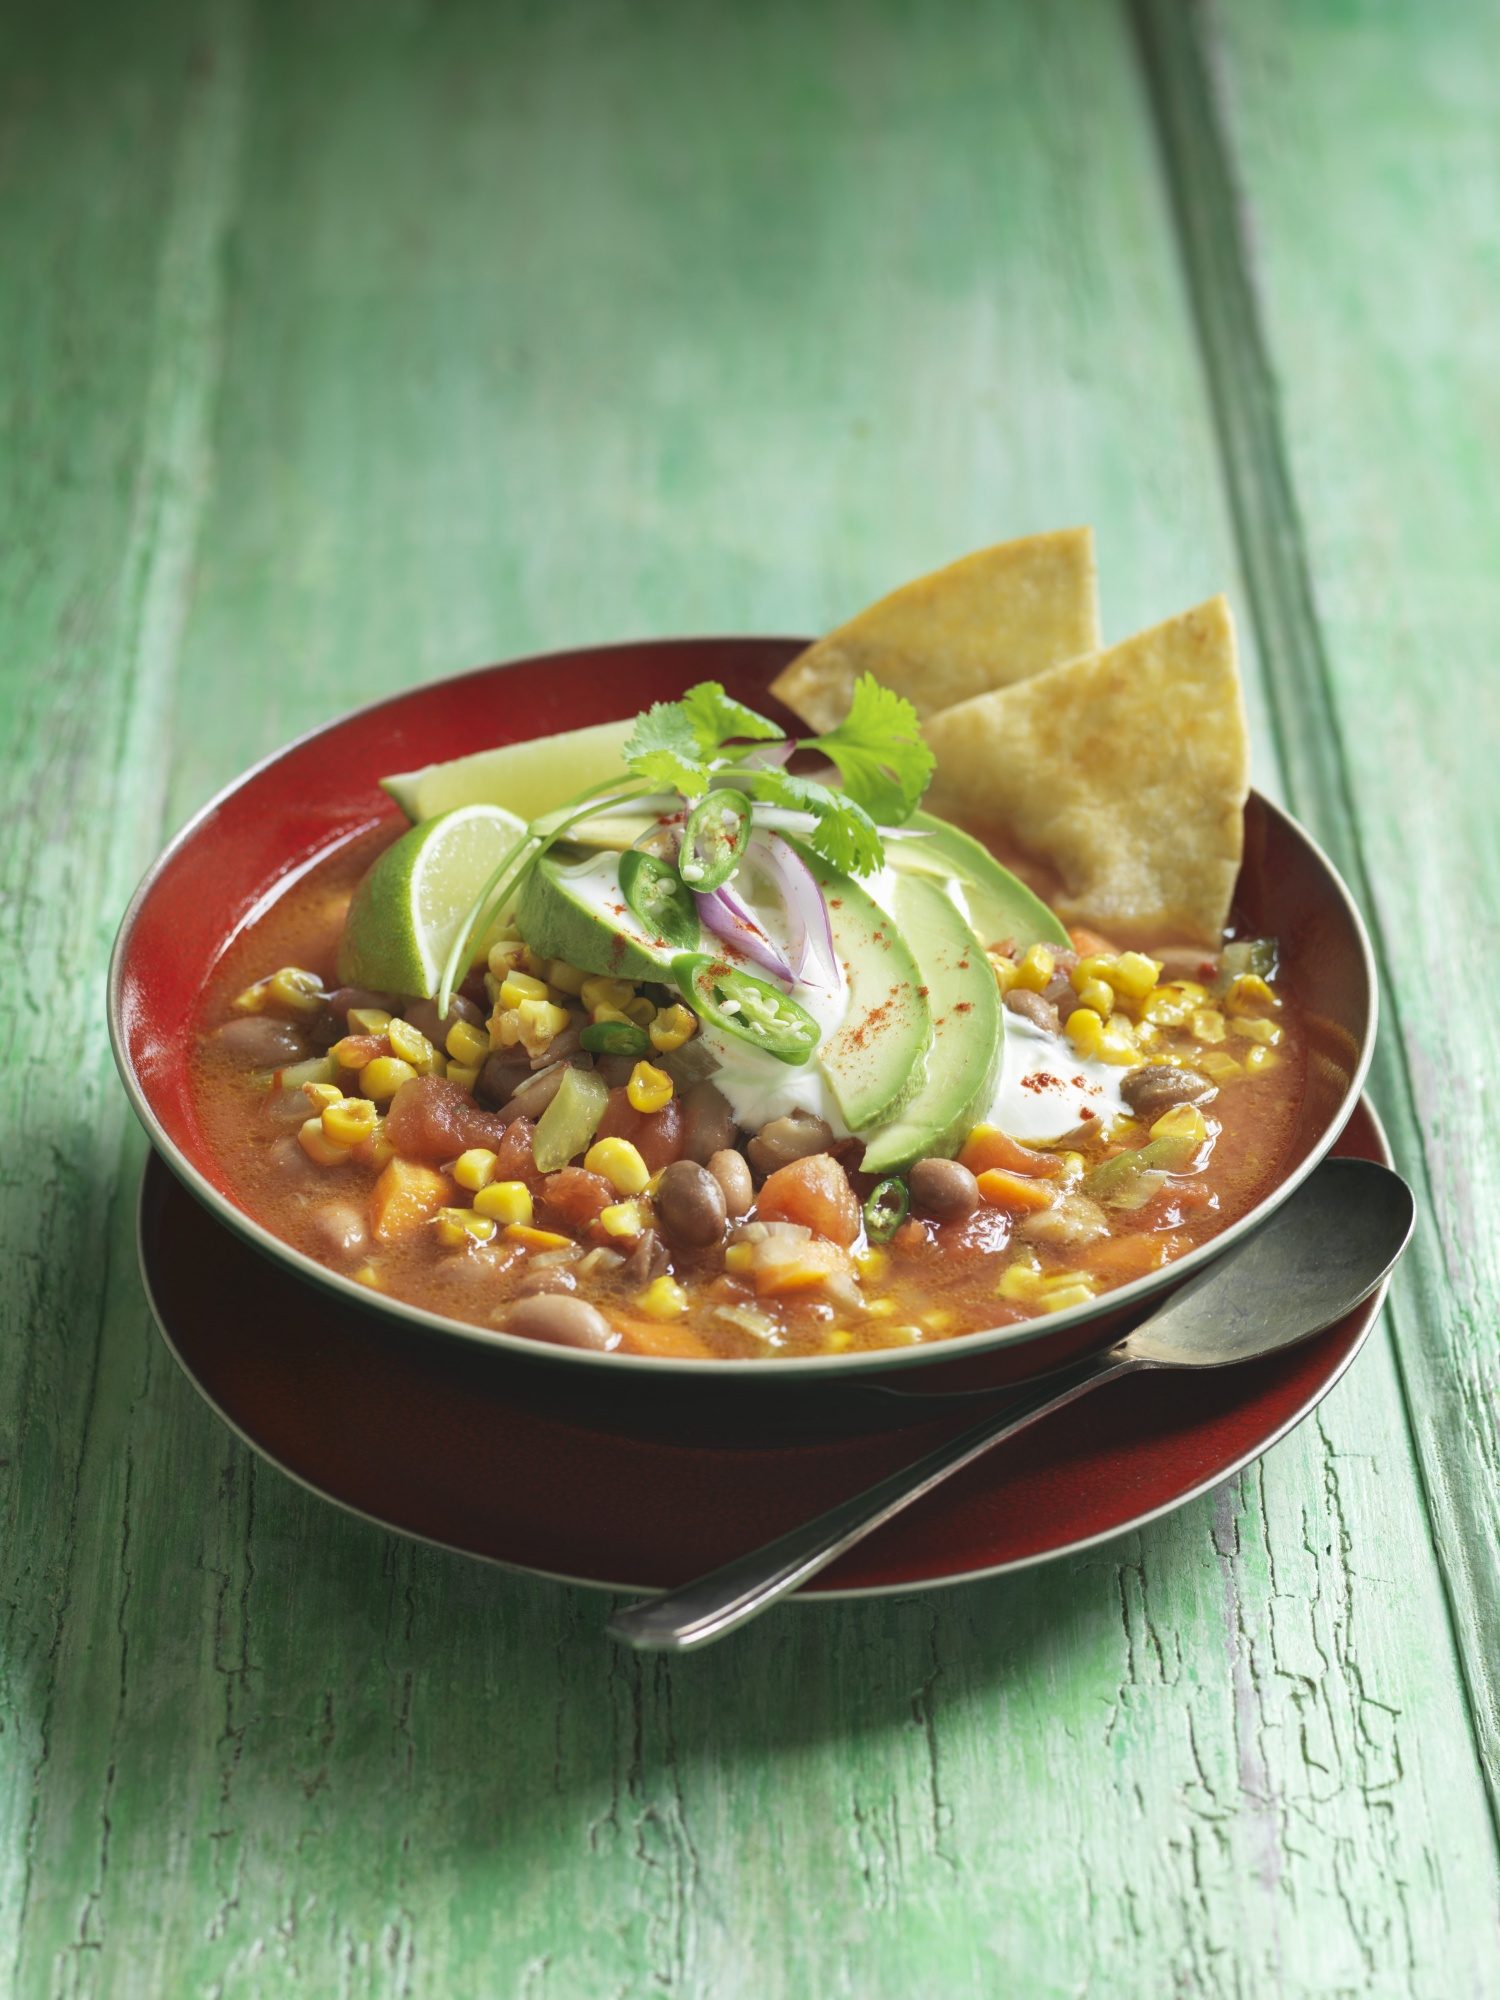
[(1126, 772), (986, 620)]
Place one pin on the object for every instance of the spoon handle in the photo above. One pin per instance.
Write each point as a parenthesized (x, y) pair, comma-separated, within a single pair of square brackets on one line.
[(712, 1605)]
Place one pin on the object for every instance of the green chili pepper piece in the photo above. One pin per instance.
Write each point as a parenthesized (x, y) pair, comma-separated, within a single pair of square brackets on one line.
[(615, 1038), (714, 839), (659, 898), (750, 1009), (885, 1210)]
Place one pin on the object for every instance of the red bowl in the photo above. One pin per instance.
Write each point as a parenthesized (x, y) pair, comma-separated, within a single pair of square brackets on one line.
[(272, 823)]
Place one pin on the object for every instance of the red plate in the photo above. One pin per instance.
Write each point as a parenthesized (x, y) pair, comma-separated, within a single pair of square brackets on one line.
[(444, 1440)]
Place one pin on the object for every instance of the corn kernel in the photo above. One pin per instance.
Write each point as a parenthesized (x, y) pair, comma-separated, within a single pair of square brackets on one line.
[(1166, 1007), (374, 1150), (1183, 1121), (506, 1201), (907, 1335), (1098, 994), (368, 1275), (535, 1239), (1207, 1025), (463, 1075), (475, 1169), (1066, 1281), (457, 1228), (640, 1010), (837, 1340), (604, 1012), (1036, 969), (466, 1044), (1073, 1166), (368, 1020), (1003, 968), (1021, 1279), (1134, 974), (504, 957), (253, 999), (518, 986), (1093, 965), (622, 1218), (318, 1147), (413, 1047), (296, 992), (1260, 1058), (1250, 990), (620, 1164), (1255, 1028), (349, 1120), (1147, 1034), (872, 1261), (351, 1051), (321, 1095), (383, 1077), (672, 1027), (739, 1258), (663, 1298), (598, 991), (1220, 1067), (505, 1028), (939, 1320), (649, 1089), (541, 1024), (882, 1308), (1084, 1030), (566, 978), (1078, 1293), (533, 963)]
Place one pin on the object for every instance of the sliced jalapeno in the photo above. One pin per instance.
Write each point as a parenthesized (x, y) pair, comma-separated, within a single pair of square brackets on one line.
[(885, 1210), (659, 898), (714, 839), (615, 1038), (752, 1011)]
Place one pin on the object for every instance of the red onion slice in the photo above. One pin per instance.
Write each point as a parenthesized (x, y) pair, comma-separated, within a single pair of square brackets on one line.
[(728, 918), (809, 924)]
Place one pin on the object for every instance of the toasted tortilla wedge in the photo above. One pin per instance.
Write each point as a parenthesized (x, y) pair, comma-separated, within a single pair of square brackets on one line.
[(983, 622), (1126, 772)]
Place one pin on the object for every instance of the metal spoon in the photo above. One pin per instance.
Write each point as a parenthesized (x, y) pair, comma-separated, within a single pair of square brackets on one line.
[(1327, 1247)]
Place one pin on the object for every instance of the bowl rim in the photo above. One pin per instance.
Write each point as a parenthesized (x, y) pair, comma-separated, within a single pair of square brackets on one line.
[(963, 1347)]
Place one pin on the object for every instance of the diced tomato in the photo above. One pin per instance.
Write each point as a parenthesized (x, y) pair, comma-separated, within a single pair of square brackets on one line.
[(987, 1146), (656, 1135), (914, 1235), (814, 1192), (1121, 1258), (432, 1119), (573, 1198), (1090, 944), (983, 1234), (514, 1159)]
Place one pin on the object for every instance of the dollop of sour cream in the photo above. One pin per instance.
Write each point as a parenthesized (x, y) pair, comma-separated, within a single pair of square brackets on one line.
[(1045, 1089)]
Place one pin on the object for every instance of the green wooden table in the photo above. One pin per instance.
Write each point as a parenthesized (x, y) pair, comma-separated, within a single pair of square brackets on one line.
[(349, 342)]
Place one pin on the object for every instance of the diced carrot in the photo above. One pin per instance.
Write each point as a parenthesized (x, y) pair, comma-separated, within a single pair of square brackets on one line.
[(987, 1146), (1121, 1258), (815, 1192), (1089, 944), (665, 1337), (405, 1196), (1017, 1194)]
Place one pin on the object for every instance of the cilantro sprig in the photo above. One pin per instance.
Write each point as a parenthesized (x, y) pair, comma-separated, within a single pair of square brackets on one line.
[(688, 746)]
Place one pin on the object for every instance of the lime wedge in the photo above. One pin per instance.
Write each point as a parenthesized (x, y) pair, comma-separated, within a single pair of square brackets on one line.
[(528, 779), (406, 913)]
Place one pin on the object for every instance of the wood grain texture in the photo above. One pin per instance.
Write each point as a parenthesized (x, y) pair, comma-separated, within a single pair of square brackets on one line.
[(365, 342), (1353, 342)]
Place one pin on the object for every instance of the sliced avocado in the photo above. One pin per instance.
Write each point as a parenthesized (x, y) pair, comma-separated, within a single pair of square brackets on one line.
[(874, 1060), (575, 910), (997, 904), (967, 1027)]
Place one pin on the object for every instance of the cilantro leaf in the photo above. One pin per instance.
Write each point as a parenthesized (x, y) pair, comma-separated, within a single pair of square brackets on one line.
[(666, 749), (716, 716), (845, 835), (879, 750)]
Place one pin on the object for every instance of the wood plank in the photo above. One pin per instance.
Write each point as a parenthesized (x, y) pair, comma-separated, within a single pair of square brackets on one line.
[(546, 325), (1354, 384)]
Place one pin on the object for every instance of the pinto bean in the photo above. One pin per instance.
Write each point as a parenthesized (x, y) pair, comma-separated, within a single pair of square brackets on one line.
[(424, 1017), (707, 1122), (503, 1072), (339, 1231), (1032, 1007), (260, 1040), (943, 1188), (647, 1260), (550, 1278), (531, 1098), (691, 1205), (561, 1320), (732, 1172), (796, 1137), (1156, 1087), (1072, 1219)]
